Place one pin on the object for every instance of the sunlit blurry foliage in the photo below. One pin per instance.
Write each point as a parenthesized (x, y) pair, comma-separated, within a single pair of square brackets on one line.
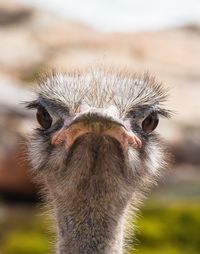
[(174, 229), (170, 229), (25, 243), (26, 232)]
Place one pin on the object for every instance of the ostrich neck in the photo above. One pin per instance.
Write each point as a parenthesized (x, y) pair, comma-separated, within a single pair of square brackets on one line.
[(93, 232), (90, 205)]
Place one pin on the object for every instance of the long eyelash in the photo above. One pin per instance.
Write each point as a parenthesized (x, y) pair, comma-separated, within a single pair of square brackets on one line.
[(32, 105), (142, 111), (50, 105), (165, 113)]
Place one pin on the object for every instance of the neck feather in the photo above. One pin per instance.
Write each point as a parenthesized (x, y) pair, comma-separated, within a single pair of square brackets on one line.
[(91, 231)]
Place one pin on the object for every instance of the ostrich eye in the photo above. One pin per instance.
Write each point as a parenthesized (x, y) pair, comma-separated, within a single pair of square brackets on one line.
[(43, 117), (150, 122)]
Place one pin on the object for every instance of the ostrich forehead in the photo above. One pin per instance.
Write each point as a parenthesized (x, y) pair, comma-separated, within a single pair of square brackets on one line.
[(101, 89)]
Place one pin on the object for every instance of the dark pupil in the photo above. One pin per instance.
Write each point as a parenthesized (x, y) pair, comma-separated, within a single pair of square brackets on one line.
[(150, 123), (43, 117)]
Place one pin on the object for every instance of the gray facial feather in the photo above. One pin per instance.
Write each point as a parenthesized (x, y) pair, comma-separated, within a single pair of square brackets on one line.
[(101, 89)]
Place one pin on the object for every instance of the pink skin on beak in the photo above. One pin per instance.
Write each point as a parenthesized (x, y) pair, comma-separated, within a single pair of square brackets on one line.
[(68, 135)]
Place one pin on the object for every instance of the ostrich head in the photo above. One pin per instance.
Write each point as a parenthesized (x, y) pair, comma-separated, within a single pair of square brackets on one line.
[(96, 153)]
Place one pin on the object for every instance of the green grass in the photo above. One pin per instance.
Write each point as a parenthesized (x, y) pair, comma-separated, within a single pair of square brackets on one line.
[(172, 229), (20, 242), (25, 232), (164, 229)]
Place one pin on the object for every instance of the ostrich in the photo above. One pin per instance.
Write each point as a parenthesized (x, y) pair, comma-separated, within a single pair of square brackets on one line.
[(96, 153)]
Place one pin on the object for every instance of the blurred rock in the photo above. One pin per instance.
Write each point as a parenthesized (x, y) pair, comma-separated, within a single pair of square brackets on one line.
[(9, 14), (15, 122), (12, 96), (33, 40), (56, 32), (15, 178), (187, 151), (19, 51)]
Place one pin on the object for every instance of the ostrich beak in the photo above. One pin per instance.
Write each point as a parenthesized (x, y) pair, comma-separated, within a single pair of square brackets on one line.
[(69, 134)]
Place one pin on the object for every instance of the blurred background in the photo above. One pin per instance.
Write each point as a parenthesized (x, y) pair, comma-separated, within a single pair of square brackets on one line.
[(162, 37)]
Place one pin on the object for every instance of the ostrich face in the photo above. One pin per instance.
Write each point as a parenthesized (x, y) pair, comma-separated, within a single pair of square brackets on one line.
[(98, 126)]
